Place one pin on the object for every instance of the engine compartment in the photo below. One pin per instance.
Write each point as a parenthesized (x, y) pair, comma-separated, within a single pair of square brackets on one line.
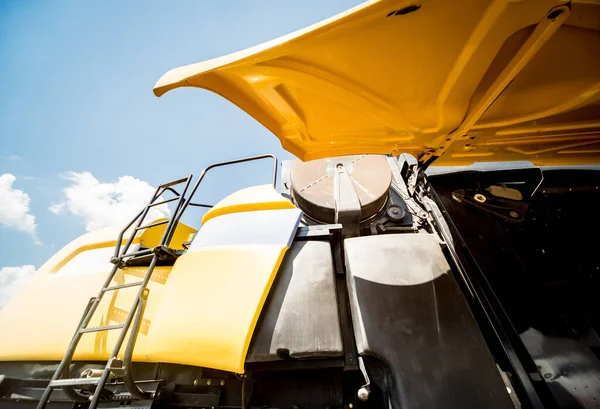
[(463, 289), (537, 277)]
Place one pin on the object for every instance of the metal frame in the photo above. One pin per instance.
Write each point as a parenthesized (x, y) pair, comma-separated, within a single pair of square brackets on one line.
[(61, 379), (178, 214)]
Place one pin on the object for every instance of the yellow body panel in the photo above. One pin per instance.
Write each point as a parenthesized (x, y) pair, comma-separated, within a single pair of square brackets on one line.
[(151, 237), (39, 321), (461, 81), (262, 197), (202, 311), (213, 301)]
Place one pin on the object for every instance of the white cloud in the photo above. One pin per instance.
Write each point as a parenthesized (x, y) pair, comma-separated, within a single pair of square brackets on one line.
[(100, 204), (13, 157), (14, 207), (56, 208), (11, 279)]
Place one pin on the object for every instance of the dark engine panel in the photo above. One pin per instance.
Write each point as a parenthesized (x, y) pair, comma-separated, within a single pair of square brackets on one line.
[(538, 277)]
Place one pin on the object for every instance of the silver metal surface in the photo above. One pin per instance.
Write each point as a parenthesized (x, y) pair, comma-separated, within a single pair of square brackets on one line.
[(312, 184), (365, 390)]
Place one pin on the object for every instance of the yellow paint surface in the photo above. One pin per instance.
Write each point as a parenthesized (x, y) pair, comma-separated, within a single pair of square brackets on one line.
[(463, 80), (202, 311), (262, 197), (40, 320), (213, 301)]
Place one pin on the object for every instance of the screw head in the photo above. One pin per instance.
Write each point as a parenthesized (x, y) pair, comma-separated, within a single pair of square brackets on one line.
[(363, 394), (395, 212), (514, 214), (196, 382), (208, 382)]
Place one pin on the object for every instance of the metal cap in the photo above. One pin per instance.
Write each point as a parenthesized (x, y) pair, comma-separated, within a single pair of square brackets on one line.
[(312, 184)]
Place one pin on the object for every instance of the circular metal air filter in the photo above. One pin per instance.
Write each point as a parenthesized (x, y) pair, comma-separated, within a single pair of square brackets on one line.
[(312, 184)]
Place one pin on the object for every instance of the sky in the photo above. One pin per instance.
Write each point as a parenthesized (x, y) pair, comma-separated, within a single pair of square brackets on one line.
[(83, 140)]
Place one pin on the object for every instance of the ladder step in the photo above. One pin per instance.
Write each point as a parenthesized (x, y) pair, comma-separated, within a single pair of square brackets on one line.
[(74, 382), (163, 202), (147, 226), (173, 183), (118, 287), (201, 205), (98, 329)]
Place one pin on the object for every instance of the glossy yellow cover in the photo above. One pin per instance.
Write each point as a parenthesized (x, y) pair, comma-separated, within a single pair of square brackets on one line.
[(452, 81), (213, 301), (262, 197), (39, 321), (202, 311)]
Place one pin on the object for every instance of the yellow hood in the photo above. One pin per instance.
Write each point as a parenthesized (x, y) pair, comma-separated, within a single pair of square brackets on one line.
[(452, 81)]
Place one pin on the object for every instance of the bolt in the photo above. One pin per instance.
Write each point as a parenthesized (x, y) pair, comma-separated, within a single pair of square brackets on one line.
[(196, 382), (222, 383), (514, 214), (208, 382), (350, 405), (363, 394)]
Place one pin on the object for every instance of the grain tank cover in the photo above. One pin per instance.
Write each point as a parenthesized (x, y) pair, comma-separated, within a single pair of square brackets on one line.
[(312, 184)]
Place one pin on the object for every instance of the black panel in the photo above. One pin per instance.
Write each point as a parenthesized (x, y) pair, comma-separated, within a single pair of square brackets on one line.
[(410, 315), (302, 389), (300, 318), (543, 272)]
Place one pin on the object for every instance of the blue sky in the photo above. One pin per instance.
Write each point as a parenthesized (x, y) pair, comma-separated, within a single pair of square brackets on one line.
[(76, 96)]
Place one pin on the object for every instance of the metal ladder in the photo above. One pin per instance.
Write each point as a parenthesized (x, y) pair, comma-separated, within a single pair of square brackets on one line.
[(114, 366)]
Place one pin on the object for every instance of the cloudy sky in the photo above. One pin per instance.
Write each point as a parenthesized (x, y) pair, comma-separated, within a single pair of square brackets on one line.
[(83, 141)]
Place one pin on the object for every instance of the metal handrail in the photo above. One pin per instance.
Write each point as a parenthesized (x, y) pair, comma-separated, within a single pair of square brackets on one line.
[(135, 315), (171, 229)]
